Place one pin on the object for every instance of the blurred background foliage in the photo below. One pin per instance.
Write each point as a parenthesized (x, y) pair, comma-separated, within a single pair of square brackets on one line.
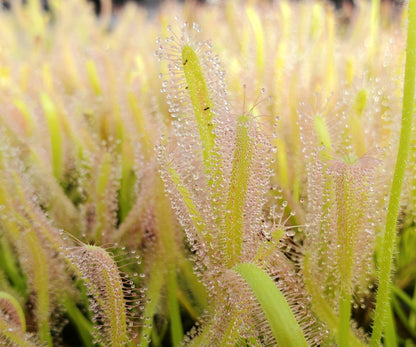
[(82, 107)]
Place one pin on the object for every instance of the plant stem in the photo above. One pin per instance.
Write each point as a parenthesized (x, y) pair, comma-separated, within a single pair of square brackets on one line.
[(83, 325), (344, 317), (173, 306), (155, 285), (389, 240), (165, 225)]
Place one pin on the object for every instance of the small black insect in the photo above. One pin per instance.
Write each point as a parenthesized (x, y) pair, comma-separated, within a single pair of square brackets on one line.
[(186, 60), (206, 108)]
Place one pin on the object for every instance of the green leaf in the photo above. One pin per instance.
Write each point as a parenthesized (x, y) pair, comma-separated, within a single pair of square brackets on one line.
[(283, 324)]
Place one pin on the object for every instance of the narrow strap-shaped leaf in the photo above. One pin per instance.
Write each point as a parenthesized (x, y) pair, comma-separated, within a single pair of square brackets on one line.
[(165, 225), (259, 36), (202, 106), (283, 324), (54, 125), (238, 187), (102, 278), (156, 282), (93, 76), (322, 132), (201, 102), (14, 336), (193, 211), (12, 308), (38, 267), (40, 278)]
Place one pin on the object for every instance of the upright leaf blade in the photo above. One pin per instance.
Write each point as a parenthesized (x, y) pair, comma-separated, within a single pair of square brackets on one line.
[(283, 324)]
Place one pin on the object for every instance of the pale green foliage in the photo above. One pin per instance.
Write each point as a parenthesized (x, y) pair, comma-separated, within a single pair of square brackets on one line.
[(107, 293), (211, 183)]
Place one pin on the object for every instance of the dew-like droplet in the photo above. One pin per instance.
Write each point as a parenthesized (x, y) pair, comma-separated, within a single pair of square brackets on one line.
[(290, 232)]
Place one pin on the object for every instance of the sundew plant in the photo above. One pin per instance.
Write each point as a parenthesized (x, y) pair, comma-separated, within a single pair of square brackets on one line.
[(231, 174)]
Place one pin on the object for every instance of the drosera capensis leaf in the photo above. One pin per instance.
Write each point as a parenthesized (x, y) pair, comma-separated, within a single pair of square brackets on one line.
[(282, 163), (168, 250), (357, 134), (40, 278), (374, 31), (101, 276), (322, 132), (361, 101), (201, 103), (238, 187), (10, 306), (37, 268), (28, 118), (105, 190), (331, 71), (283, 324), (257, 27), (93, 76), (127, 181), (140, 122), (155, 284), (352, 183), (10, 267), (104, 174), (10, 335), (193, 211), (52, 118)]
